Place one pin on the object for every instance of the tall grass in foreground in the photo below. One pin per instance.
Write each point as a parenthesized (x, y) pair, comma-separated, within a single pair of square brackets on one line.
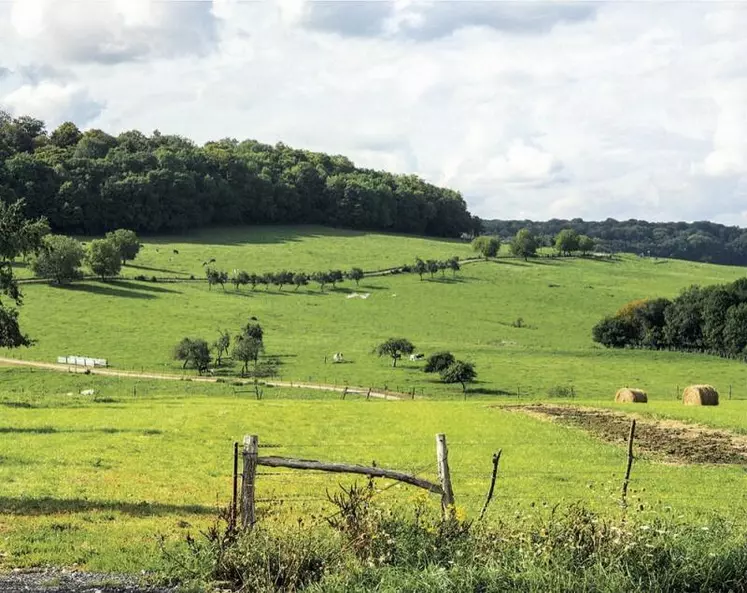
[(370, 548)]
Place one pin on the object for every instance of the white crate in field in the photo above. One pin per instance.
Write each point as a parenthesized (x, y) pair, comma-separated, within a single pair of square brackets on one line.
[(84, 361)]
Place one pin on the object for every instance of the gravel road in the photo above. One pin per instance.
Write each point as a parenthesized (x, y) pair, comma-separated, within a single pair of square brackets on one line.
[(66, 581)]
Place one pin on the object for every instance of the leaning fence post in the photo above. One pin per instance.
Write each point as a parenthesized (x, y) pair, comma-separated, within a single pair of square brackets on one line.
[(442, 456), (629, 467), (234, 497), (251, 450)]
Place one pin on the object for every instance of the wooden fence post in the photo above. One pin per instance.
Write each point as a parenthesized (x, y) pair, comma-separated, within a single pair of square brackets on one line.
[(251, 452), (629, 467), (235, 493), (442, 457)]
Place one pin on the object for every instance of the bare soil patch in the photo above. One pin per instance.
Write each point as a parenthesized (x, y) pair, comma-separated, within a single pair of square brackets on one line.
[(676, 441)]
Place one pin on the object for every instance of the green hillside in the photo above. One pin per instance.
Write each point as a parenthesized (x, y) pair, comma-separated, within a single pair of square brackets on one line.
[(135, 324)]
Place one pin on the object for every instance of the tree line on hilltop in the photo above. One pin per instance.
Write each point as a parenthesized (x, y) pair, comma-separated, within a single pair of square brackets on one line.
[(92, 182), (710, 319), (697, 241)]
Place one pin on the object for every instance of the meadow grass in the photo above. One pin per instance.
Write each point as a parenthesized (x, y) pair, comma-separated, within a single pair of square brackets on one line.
[(95, 484), (92, 480), (136, 324)]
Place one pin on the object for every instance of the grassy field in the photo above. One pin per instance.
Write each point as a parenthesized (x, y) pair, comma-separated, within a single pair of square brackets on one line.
[(136, 324), (93, 483), (93, 480)]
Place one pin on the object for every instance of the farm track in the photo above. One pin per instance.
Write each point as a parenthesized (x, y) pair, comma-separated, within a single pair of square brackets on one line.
[(52, 580), (675, 441), (63, 368)]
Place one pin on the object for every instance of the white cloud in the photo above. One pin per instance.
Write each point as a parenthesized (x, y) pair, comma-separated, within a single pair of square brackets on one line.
[(536, 109), (54, 103)]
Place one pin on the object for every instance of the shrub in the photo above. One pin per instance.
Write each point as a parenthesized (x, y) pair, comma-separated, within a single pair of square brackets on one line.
[(438, 362)]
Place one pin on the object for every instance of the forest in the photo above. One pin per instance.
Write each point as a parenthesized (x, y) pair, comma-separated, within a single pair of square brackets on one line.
[(696, 241), (92, 182), (710, 319)]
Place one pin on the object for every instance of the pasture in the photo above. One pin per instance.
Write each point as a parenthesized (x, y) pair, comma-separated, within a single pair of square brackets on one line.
[(475, 314), (93, 481)]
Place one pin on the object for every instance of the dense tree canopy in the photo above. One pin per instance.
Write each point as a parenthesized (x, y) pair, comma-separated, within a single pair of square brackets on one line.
[(701, 319), (93, 182), (696, 241)]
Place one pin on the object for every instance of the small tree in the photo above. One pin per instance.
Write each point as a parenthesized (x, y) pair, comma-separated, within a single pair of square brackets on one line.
[(195, 352), (586, 244), (254, 331), (103, 258), (438, 362), (267, 279), (59, 258), (127, 242), (395, 348), (355, 274), (321, 278), (459, 372), (420, 267), (566, 241), (221, 346), (300, 279), (432, 266), (454, 265), (216, 277), (487, 246), (524, 244), (239, 278), (335, 276), (253, 280), (247, 349)]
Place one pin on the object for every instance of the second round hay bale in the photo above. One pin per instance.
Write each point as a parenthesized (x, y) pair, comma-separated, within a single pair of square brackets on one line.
[(631, 396), (700, 395)]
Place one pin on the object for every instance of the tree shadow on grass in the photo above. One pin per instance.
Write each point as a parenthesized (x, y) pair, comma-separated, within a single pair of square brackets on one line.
[(49, 506), (141, 286), (152, 269), (107, 290), (53, 430), (488, 391)]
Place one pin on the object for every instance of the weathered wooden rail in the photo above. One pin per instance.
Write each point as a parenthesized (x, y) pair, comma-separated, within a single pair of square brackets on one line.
[(252, 459)]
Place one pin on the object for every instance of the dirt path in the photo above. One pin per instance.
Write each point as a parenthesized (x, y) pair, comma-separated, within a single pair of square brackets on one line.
[(53, 580), (673, 440), (64, 368)]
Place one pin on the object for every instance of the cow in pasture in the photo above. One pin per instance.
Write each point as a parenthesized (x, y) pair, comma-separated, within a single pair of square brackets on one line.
[(416, 357), (176, 252), (338, 357)]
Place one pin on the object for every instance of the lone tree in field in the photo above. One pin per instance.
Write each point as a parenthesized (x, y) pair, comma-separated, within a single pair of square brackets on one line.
[(59, 258), (194, 352), (247, 350), (254, 331), (355, 274), (395, 348), (459, 372), (19, 236), (586, 244), (524, 244), (566, 241), (438, 362), (420, 267), (127, 242), (104, 259), (486, 246), (221, 346)]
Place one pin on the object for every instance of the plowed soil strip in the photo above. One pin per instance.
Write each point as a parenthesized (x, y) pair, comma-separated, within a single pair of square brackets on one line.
[(675, 441)]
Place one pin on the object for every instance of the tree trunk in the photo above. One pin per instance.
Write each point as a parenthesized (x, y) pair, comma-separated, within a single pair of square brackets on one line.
[(394, 361)]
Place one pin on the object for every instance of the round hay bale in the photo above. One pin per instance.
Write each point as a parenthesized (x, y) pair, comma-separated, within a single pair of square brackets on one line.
[(700, 395), (631, 396)]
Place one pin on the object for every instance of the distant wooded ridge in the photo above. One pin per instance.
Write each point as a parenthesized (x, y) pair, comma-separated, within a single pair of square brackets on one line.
[(92, 182), (693, 241)]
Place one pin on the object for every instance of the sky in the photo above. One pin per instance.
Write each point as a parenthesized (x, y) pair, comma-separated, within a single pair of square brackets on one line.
[(562, 109)]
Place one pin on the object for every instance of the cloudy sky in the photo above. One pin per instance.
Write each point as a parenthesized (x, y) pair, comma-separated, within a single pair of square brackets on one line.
[(531, 109)]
